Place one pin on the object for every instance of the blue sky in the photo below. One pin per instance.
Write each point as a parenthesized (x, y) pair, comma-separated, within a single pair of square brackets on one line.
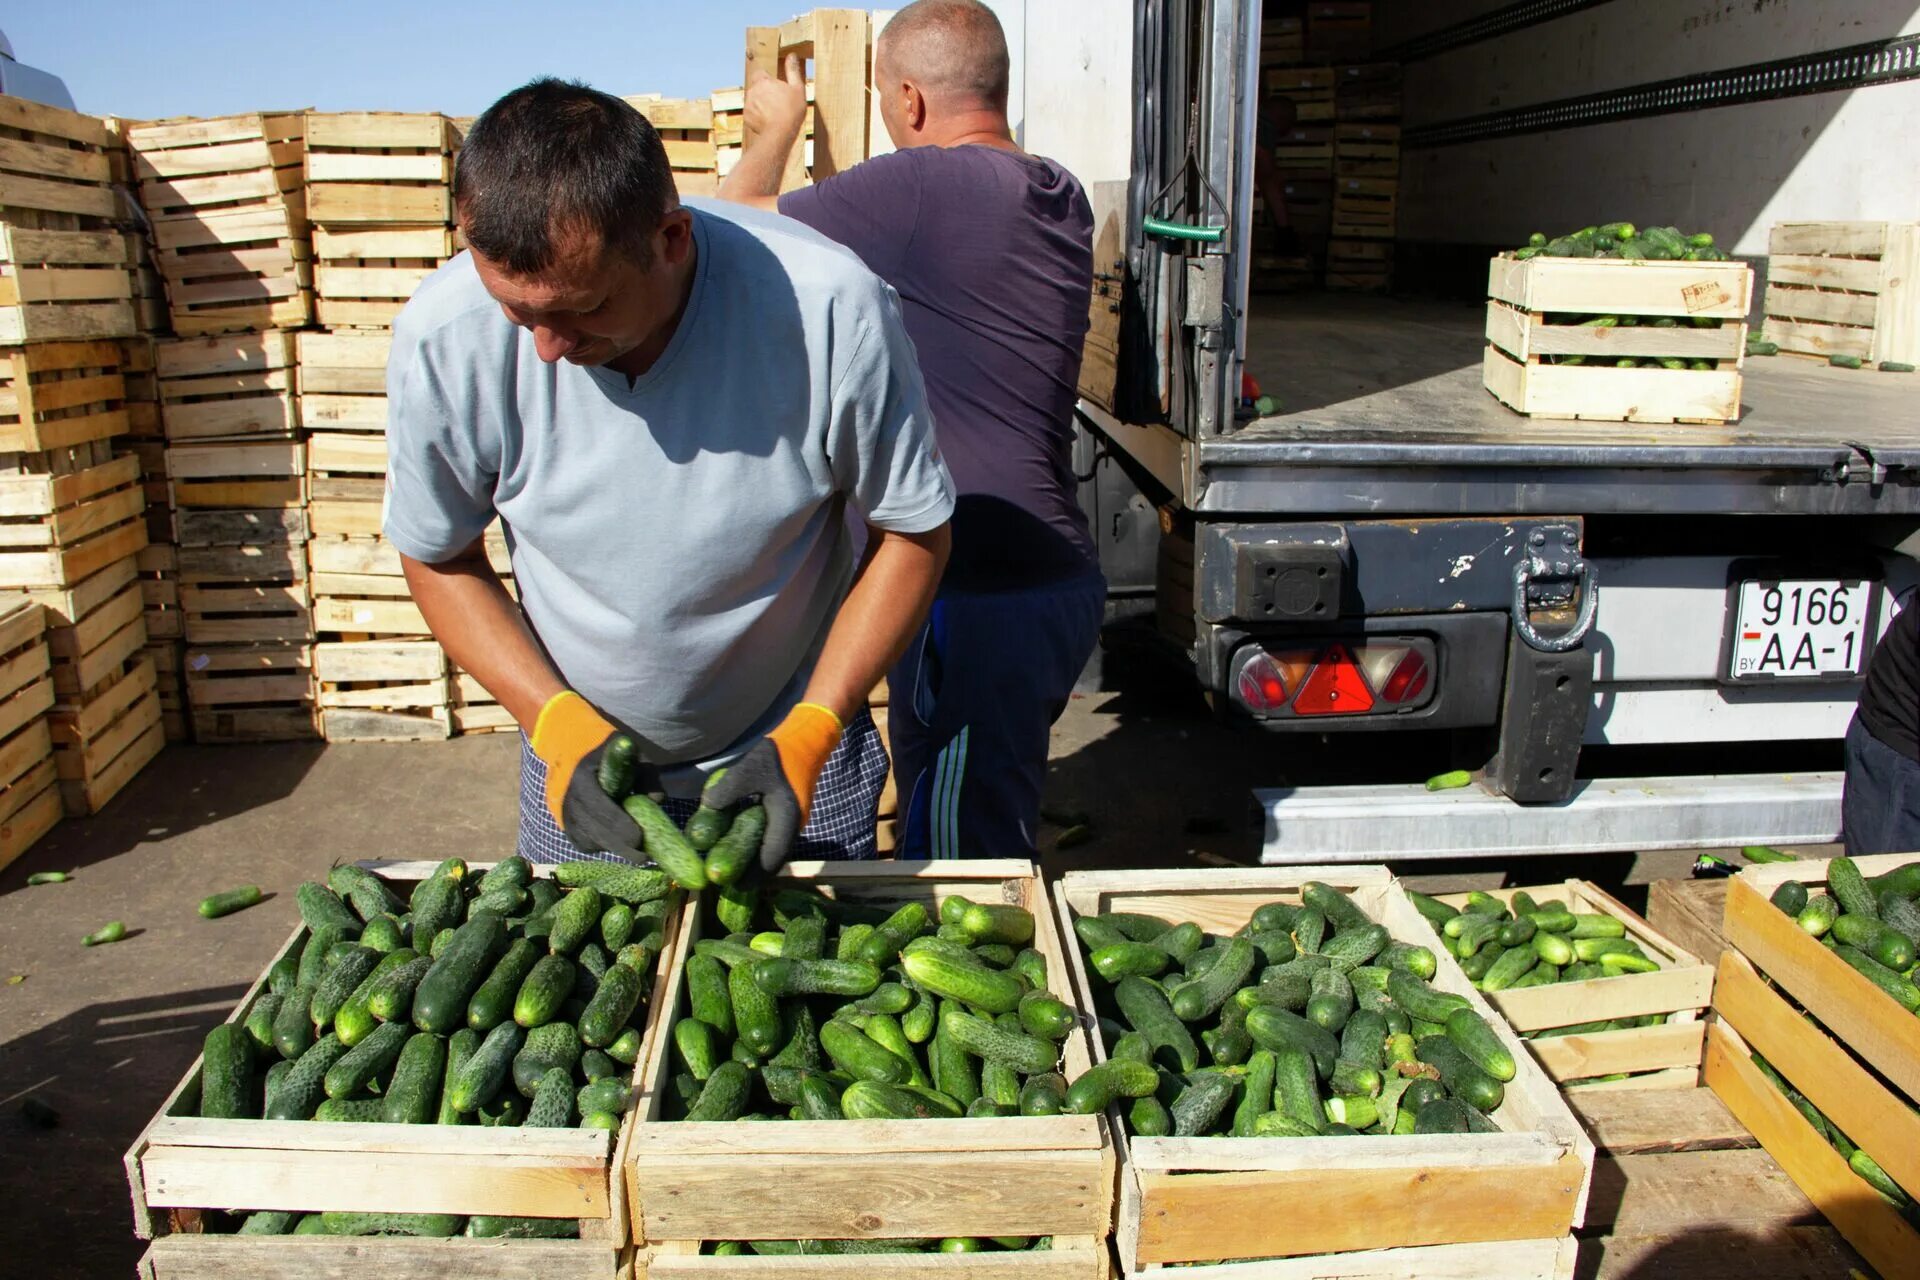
[(153, 58)]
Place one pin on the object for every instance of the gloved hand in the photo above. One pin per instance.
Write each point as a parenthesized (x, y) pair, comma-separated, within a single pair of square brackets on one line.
[(583, 753), (782, 769)]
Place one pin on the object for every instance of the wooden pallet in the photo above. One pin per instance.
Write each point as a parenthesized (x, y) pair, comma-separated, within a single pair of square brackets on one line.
[(1306, 150), (227, 204), (1216, 1199), (1668, 1056), (842, 125), (1845, 288), (183, 1171), (1039, 1175), (1527, 297), (383, 691), (60, 394), (243, 475), (30, 802), (232, 386), (251, 692), (1310, 89)]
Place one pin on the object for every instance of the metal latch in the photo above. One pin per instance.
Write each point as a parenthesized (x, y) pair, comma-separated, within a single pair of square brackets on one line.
[(1861, 468), (1553, 572)]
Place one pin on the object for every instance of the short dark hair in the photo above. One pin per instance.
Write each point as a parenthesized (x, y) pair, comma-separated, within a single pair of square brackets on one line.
[(557, 154)]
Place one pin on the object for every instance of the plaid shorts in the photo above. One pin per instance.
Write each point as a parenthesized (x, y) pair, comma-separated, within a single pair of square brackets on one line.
[(845, 804)]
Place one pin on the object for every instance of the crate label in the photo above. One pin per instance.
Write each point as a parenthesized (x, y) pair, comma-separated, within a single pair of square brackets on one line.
[(1708, 293), (199, 662), (363, 615)]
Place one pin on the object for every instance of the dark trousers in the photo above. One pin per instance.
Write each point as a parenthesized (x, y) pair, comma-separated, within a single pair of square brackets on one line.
[(1880, 805), (969, 709)]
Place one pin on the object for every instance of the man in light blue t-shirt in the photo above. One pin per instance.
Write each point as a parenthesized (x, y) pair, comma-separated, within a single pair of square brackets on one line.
[(671, 409)]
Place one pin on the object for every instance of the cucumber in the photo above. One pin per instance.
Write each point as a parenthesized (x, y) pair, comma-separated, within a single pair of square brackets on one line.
[(511, 872), (1275, 1029), (313, 956), (800, 1035), (543, 990), (698, 1046), (1818, 916), (1891, 948), (320, 906), (1146, 1010), (597, 1064), (1256, 1097), (1296, 1088), (1043, 1016), (1278, 1124), (1283, 990), (723, 1096), (228, 901), (972, 985), (393, 1224), (349, 1111), (1475, 966), (1227, 1046), (1416, 960), (1202, 997), (861, 1057), (412, 1096), (1182, 942), (339, 981), (739, 848), (440, 1001), (1363, 1041), (226, 1073), (625, 1048), (783, 977), (1471, 1034), (1595, 925), (1436, 911), (284, 976), (612, 1004), (483, 1074), (1097, 1088), (1874, 1176), (550, 1045), (1095, 933), (1129, 960), (1355, 1112), (953, 1069), (1199, 1106), (805, 938), (874, 1100), (1025, 1054), (1150, 1118), (1331, 1002), (259, 1021), (615, 771), (819, 1097), (1275, 947), (616, 925), (1352, 1079), (1043, 1095), (507, 1110), (372, 1057), (999, 1088), (707, 997), (1553, 948), (460, 1047), (435, 904), (552, 1105), (664, 843), (1901, 989), (1458, 1072), (619, 880), (892, 998), (1790, 897), (1135, 925), (756, 1015), (883, 946), (1422, 1001), (493, 1003), (1849, 888), (1513, 964), (368, 893), (493, 1227), (884, 1029), (574, 920), (384, 934), (996, 922), (1517, 932), (292, 1026), (1309, 930), (303, 1087), (1442, 1115)]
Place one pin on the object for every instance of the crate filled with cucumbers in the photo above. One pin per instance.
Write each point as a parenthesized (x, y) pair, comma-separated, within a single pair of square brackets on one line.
[(1600, 997), (1618, 323), (863, 1059), (1816, 1047), (1277, 1045), (441, 1056)]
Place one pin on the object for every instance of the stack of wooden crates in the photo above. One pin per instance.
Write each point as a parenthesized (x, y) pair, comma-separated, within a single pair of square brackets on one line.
[(686, 127), (380, 192), (72, 519), (30, 800), (1366, 176)]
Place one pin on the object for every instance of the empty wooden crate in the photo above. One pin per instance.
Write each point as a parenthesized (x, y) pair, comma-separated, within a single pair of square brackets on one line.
[(383, 691), (1845, 289), (30, 801)]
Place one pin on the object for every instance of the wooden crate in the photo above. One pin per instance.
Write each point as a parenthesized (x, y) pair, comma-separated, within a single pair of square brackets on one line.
[(268, 527), (1427, 1198), (686, 129), (182, 1168), (231, 386), (227, 204), (477, 711), (366, 274), (383, 691), (58, 529), (1282, 41), (840, 127), (1369, 91), (241, 474), (30, 802), (1669, 1055), (347, 476), (1306, 150), (1692, 913), (359, 589), (1366, 150), (379, 167), (1845, 289), (245, 595), (103, 738), (1365, 208), (158, 570), (251, 692), (1042, 1175), (169, 667), (57, 395), (1339, 28), (1524, 296), (1360, 265), (1310, 89), (55, 161)]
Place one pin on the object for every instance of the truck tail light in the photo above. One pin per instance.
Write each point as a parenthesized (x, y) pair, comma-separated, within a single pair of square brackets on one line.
[(1337, 678)]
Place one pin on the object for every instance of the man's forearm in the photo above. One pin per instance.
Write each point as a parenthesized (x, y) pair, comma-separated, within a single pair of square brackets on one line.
[(470, 613), (889, 601), (763, 162)]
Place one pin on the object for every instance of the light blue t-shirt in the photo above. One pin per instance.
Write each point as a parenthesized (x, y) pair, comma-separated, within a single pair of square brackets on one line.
[(681, 544)]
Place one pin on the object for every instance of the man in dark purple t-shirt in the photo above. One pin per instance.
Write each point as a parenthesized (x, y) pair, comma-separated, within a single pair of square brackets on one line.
[(991, 252)]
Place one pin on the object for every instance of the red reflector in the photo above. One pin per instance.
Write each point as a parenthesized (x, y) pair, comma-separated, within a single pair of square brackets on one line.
[(1260, 685), (1336, 687), (1408, 679)]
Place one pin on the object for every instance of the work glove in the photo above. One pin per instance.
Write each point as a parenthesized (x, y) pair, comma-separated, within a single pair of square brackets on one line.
[(587, 758), (783, 769)]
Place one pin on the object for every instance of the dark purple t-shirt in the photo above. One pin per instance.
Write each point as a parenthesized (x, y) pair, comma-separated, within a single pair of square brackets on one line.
[(991, 252)]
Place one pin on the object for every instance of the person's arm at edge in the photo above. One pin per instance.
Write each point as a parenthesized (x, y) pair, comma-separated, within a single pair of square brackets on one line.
[(776, 110), (889, 600), (468, 610)]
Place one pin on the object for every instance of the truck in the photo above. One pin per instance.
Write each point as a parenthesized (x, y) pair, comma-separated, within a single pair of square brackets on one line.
[(1636, 636), (19, 80)]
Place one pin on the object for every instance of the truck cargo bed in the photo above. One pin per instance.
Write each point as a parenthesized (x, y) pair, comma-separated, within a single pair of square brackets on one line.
[(1382, 411)]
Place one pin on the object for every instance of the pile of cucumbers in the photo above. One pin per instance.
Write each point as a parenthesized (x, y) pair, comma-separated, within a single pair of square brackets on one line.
[(488, 998), (1874, 925), (1310, 1020), (1865, 1166), (804, 1007), (1624, 240), (1503, 947)]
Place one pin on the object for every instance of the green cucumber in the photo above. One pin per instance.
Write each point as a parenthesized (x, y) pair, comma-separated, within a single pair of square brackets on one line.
[(625, 1048), (1095, 933), (303, 1087), (998, 922), (435, 904), (1198, 1107), (1353, 1079), (756, 1014), (883, 946), (1475, 1038), (1182, 942), (1849, 888), (1043, 1095), (1901, 989), (549, 1045), (1256, 1097), (783, 977), (619, 880), (284, 976), (268, 1222), (440, 1001), (435, 1225), (412, 1096), (723, 1096), (493, 1003), (1130, 959), (1136, 925), (1597, 925), (1202, 997), (493, 1227), (819, 1097), (1818, 916), (613, 1003), (1441, 1115), (1421, 1000), (1512, 965), (1463, 1078), (800, 1038), (574, 920), (1340, 910), (1331, 1002), (893, 998), (616, 925), (1296, 1088), (1028, 1055), (975, 986), (292, 1024), (320, 907), (1274, 1028), (543, 990), (259, 1020), (313, 957), (483, 1074), (228, 901), (739, 848), (460, 1047), (954, 1071), (698, 1046), (665, 844), (366, 892), (707, 997), (552, 1105), (1364, 1040), (1416, 960), (372, 1057), (1150, 1118), (862, 1057), (1147, 1011), (226, 1073), (349, 1111), (1436, 911), (1354, 947), (1552, 948), (1097, 1088), (876, 1100), (339, 981), (1043, 1016)]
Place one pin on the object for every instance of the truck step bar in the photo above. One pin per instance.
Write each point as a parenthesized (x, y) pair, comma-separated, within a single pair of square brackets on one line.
[(1608, 815)]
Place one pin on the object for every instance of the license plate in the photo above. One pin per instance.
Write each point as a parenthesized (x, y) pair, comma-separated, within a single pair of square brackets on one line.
[(1799, 629)]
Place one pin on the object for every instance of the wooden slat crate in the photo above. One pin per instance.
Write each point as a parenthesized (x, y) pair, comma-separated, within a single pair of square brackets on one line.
[(378, 167), (686, 128), (148, 289), (1364, 208), (366, 274), (1339, 28), (1369, 91), (54, 161), (184, 1172), (1282, 41), (1366, 150), (245, 595), (140, 383), (836, 45), (56, 395), (30, 802), (347, 479), (1845, 288), (240, 475), (1306, 150), (158, 567), (1360, 264), (169, 668), (1432, 1204), (251, 692), (231, 386), (1526, 298), (1665, 1056), (359, 589), (477, 711), (1310, 89), (268, 527), (228, 207), (383, 691), (59, 529), (103, 738), (1042, 1175)]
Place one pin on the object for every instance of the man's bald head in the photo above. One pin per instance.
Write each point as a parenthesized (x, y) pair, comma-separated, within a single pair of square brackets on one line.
[(953, 49)]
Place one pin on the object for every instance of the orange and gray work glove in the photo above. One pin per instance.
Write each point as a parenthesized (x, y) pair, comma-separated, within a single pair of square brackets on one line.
[(583, 752), (783, 769)]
